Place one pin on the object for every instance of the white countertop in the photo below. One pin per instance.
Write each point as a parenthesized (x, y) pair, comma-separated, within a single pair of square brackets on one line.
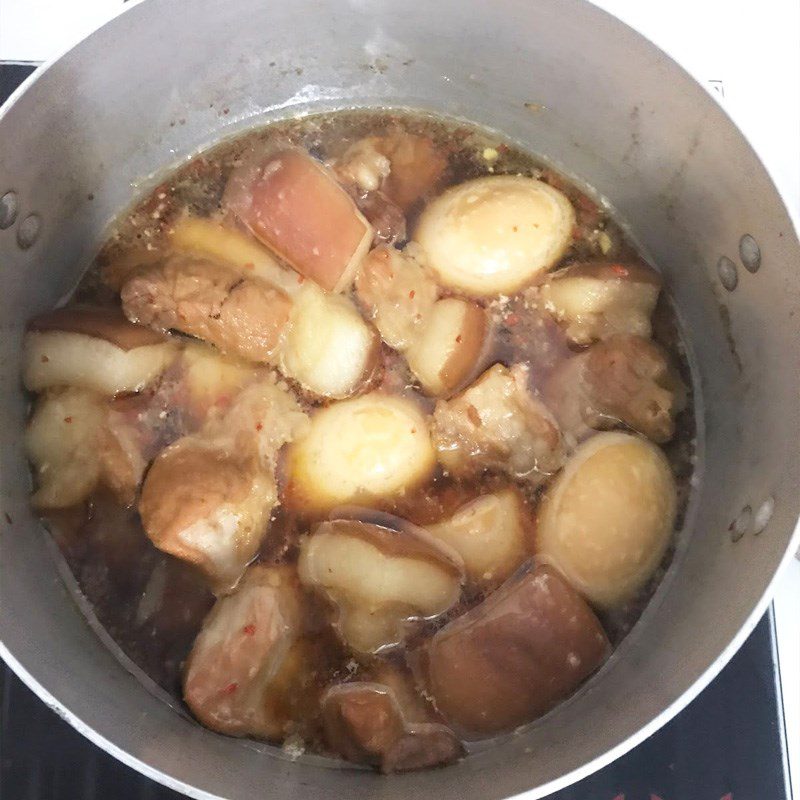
[(747, 57)]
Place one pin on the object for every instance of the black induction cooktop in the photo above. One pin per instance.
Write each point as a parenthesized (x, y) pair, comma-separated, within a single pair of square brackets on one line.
[(729, 744)]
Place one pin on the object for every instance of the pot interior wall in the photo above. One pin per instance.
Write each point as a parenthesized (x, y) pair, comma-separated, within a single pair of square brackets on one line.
[(567, 82)]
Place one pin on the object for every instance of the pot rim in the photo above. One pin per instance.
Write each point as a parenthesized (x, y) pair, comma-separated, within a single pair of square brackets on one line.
[(569, 778)]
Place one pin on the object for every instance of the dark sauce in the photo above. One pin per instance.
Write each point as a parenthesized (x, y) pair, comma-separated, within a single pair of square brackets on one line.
[(153, 605)]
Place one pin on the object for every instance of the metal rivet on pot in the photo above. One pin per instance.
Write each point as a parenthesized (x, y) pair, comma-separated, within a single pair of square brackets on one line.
[(728, 275), (28, 231), (749, 253), (8, 210), (763, 515), (741, 524)]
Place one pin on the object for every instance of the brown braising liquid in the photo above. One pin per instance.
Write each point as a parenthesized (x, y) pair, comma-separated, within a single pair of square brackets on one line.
[(153, 605)]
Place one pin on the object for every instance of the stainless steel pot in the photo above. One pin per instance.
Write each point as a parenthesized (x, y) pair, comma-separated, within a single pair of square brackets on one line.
[(567, 81)]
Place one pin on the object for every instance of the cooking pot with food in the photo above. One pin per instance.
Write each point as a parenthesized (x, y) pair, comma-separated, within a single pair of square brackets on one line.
[(448, 419)]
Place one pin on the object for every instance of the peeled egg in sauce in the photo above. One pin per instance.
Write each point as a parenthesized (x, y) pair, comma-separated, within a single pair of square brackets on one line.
[(606, 520), (496, 234), (373, 446)]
